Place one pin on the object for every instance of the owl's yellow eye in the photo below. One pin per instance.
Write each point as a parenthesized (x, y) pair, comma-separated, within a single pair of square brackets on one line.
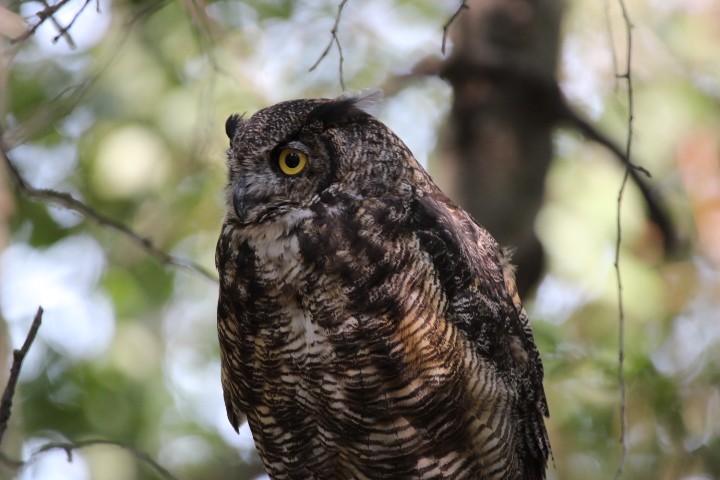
[(292, 161)]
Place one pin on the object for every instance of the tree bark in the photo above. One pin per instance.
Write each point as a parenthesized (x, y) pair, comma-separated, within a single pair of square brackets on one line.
[(497, 146)]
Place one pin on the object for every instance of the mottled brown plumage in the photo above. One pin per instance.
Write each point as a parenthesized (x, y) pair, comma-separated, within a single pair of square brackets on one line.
[(369, 327)]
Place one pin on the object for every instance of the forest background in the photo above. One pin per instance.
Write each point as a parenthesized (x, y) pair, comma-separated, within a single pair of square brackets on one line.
[(121, 105)]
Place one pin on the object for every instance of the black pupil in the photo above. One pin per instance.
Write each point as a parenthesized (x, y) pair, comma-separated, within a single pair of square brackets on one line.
[(292, 160)]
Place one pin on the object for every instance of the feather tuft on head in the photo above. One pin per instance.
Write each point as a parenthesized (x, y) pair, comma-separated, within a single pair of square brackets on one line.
[(345, 108), (367, 99)]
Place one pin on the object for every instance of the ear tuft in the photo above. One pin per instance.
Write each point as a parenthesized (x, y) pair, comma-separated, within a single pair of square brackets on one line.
[(232, 124), (345, 109), (367, 99)]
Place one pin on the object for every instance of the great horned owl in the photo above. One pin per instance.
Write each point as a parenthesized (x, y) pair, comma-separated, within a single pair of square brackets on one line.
[(369, 327)]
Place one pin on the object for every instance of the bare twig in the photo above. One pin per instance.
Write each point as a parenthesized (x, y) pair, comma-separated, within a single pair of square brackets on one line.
[(446, 27), (68, 201), (340, 64), (621, 330), (334, 40), (18, 357), (47, 14), (63, 31), (627, 76), (69, 447)]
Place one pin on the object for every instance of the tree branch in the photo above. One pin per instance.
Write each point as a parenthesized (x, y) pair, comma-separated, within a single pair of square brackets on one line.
[(68, 201), (446, 27), (6, 410), (139, 455), (621, 308), (548, 101), (334, 40), (18, 357), (69, 447), (64, 31), (48, 14)]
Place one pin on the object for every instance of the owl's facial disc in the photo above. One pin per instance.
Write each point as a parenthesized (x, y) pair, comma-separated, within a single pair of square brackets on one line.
[(273, 182), (284, 156)]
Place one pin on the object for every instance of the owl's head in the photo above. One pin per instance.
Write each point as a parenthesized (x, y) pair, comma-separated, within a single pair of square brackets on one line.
[(285, 157)]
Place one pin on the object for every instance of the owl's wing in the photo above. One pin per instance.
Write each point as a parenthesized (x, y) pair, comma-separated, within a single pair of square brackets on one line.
[(228, 313), (484, 305)]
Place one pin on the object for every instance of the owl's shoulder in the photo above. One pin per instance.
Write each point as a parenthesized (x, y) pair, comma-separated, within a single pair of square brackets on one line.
[(479, 282)]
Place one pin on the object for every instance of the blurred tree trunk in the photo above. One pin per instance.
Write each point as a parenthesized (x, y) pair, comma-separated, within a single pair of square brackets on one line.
[(497, 145)]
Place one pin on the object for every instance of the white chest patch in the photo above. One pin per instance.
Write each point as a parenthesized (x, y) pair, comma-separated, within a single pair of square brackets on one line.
[(277, 251), (280, 266)]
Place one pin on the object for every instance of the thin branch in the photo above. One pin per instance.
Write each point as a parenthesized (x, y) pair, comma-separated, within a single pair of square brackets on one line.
[(621, 329), (340, 64), (18, 357), (139, 455), (68, 201), (621, 309), (6, 410), (334, 40), (446, 27), (64, 31), (47, 14)]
